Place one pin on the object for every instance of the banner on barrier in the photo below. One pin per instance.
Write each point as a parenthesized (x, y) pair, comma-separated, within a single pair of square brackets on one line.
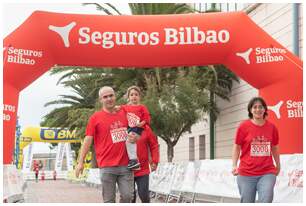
[(12, 182), (179, 176), (191, 175), (27, 163), (69, 157), (94, 176), (165, 178), (214, 177), (59, 156), (289, 183)]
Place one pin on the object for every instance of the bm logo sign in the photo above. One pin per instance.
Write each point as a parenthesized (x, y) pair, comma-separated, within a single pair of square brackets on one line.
[(57, 134)]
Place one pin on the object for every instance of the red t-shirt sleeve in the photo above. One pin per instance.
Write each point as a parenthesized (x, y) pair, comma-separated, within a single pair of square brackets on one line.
[(275, 138), (240, 135), (146, 115), (153, 146), (90, 129), (123, 107)]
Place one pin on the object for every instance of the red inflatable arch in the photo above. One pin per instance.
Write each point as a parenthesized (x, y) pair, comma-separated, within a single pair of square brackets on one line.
[(232, 39)]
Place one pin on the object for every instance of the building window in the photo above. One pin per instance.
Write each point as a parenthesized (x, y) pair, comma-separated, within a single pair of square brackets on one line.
[(191, 148), (225, 7), (202, 151)]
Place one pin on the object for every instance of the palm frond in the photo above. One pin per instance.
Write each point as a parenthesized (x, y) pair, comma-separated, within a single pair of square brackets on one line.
[(114, 8), (99, 7), (61, 101)]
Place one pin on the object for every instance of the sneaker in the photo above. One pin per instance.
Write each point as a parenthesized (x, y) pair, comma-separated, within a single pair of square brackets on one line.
[(133, 164)]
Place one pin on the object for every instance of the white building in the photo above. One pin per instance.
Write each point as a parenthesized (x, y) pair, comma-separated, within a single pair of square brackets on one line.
[(284, 22)]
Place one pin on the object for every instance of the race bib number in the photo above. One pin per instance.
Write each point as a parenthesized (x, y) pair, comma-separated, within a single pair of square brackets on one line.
[(259, 149), (119, 135), (133, 119)]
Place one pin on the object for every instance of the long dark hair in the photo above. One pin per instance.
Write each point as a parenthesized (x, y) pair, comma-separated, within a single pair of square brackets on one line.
[(253, 101)]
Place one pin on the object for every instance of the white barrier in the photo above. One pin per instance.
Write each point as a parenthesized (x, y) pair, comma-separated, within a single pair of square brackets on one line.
[(289, 183), (213, 177), (60, 152), (190, 176), (93, 177), (162, 179), (13, 184), (179, 176)]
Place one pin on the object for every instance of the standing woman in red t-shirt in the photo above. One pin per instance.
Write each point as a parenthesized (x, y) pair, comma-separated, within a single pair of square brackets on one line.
[(148, 156), (256, 145)]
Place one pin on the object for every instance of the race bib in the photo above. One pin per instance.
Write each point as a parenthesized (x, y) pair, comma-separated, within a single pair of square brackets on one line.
[(133, 119), (119, 135), (259, 149)]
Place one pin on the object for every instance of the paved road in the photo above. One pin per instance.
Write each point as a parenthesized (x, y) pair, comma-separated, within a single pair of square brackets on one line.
[(61, 191)]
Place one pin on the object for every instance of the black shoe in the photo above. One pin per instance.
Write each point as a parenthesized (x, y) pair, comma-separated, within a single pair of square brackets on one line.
[(133, 165), (137, 130)]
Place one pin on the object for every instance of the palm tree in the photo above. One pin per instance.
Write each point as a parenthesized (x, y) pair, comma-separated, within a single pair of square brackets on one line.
[(84, 98), (76, 108)]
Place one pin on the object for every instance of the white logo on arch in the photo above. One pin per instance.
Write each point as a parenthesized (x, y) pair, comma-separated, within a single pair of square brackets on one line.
[(276, 109), (245, 55), (63, 32)]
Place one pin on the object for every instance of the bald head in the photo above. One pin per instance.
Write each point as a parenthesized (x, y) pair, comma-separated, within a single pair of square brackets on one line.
[(104, 90), (107, 98)]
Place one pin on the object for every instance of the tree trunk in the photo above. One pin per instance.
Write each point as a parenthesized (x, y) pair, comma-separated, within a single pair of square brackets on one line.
[(170, 152), (157, 74)]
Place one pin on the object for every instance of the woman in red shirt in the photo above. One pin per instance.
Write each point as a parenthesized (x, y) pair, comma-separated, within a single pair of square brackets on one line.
[(148, 154), (256, 145)]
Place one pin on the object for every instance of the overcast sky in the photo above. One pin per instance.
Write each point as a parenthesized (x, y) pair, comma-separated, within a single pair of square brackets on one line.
[(32, 99)]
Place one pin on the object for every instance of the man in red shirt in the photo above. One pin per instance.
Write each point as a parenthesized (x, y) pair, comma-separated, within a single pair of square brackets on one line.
[(108, 130), (147, 143)]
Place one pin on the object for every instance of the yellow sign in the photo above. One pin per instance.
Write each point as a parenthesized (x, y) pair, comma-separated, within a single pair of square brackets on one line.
[(58, 134), (45, 134)]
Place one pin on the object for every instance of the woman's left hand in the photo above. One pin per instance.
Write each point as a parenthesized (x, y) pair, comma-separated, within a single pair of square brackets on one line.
[(277, 170), (153, 166)]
